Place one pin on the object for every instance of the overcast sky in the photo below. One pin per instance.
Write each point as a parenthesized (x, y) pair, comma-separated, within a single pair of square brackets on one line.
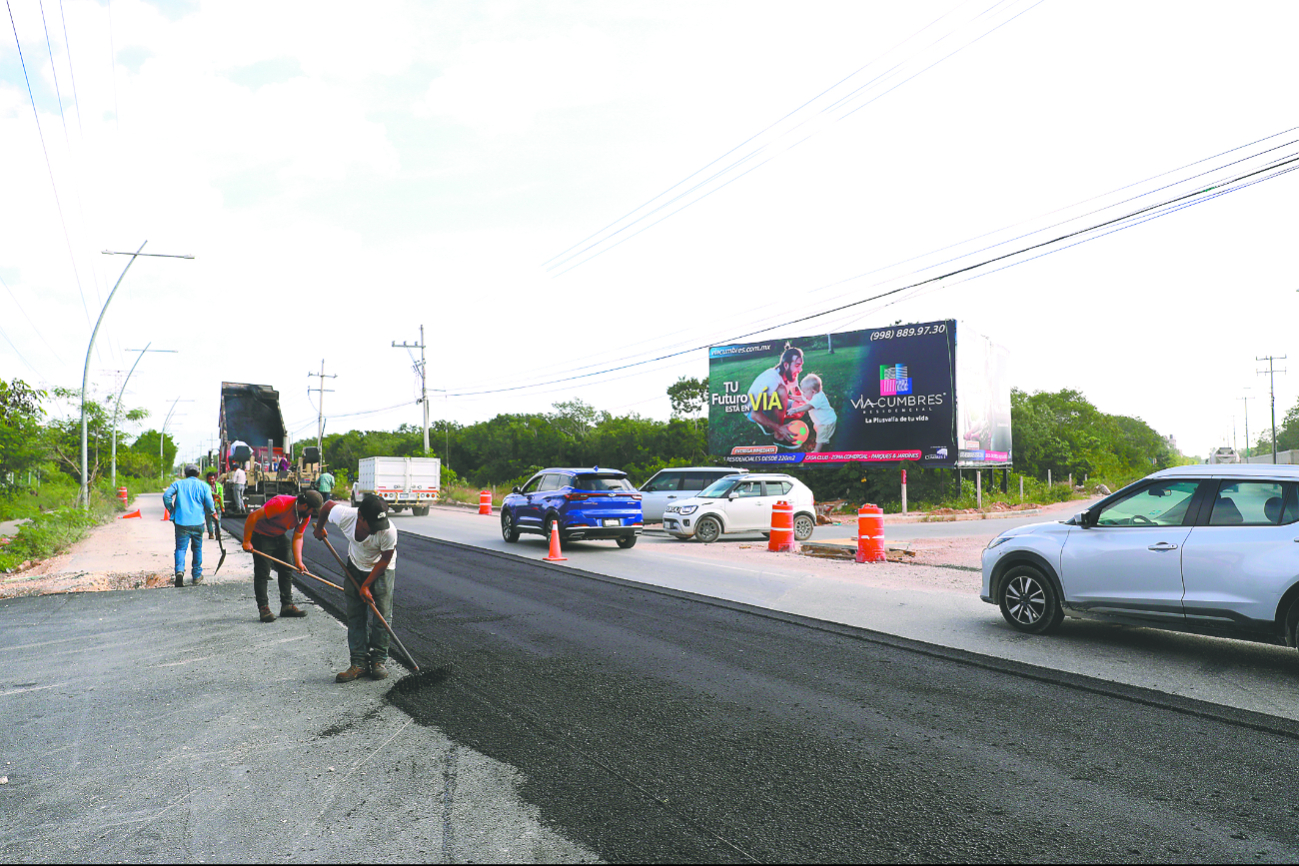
[(344, 173)]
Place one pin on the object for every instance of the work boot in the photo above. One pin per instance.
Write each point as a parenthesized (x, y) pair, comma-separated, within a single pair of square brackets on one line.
[(180, 578), (378, 671), (350, 674), (291, 610), (198, 579), (267, 616)]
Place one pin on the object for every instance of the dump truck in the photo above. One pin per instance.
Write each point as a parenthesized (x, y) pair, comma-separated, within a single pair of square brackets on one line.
[(253, 437), (402, 482)]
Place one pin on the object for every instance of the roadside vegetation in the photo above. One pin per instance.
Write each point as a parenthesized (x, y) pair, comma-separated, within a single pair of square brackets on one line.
[(1060, 432), (40, 467)]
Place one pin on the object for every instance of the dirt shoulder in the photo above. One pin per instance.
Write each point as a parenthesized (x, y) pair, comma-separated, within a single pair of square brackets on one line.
[(126, 553)]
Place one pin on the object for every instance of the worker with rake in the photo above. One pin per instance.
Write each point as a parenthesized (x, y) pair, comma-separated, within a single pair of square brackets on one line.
[(371, 563), (266, 532)]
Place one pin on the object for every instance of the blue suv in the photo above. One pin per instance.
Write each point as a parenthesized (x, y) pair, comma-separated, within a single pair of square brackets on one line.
[(587, 504)]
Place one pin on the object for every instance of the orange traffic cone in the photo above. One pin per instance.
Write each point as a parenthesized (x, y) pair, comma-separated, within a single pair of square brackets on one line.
[(166, 515), (135, 513), (555, 555)]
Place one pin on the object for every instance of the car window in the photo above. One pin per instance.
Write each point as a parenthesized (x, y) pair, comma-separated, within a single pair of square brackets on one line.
[(1254, 503), (695, 481), (553, 482), (663, 481), (532, 485), (778, 488), (749, 488), (719, 488), (602, 482), (1161, 504)]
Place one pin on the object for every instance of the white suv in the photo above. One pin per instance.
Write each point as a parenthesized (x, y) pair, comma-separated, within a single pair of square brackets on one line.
[(741, 503), (1205, 549), (682, 482)]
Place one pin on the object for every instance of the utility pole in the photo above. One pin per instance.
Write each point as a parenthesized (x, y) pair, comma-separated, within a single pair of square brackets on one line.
[(423, 378), (1246, 400), (1271, 378), (118, 406), (320, 409), (162, 436), (83, 495)]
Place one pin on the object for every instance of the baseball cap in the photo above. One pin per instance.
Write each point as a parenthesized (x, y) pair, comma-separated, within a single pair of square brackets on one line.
[(191, 469), (313, 499), (375, 512)]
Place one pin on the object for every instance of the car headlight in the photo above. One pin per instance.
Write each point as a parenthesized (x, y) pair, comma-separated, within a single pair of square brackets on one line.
[(687, 509), (999, 540)]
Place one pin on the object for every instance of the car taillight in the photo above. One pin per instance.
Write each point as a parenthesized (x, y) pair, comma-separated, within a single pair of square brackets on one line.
[(574, 496)]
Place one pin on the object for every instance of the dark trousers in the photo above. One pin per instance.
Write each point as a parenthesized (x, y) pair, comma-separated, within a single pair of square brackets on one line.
[(367, 640), (278, 547)]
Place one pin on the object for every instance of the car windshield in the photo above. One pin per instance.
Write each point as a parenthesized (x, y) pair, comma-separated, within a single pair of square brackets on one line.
[(602, 482), (720, 487)]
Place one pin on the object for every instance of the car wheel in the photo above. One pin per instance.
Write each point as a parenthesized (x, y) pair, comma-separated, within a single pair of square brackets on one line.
[(509, 531), (626, 542), (563, 542), (708, 530), (1028, 600), (803, 526)]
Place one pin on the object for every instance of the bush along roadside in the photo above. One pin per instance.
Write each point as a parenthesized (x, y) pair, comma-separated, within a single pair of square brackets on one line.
[(47, 534)]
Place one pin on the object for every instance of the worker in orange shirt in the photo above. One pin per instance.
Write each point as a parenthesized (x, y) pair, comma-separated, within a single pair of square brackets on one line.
[(266, 530)]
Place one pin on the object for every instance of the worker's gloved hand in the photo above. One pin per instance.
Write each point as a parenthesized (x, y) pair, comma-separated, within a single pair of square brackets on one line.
[(320, 533), (248, 546), (365, 595)]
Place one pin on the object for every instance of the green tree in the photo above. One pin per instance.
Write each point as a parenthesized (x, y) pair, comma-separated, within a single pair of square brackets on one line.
[(22, 438), (688, 396)]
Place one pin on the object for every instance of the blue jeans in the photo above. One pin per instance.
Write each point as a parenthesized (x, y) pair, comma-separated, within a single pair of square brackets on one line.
[(367, 639), (191, 537)]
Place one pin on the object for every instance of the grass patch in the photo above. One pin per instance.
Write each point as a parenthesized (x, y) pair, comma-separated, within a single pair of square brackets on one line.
[(47, 534)]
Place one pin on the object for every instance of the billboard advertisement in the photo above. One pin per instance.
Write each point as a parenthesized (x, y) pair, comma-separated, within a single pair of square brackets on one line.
[(877, 396)]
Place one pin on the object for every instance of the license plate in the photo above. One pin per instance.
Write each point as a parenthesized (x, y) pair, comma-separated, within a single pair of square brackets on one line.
[(612, 521)]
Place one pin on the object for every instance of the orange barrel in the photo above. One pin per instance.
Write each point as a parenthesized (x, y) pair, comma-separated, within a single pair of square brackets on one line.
[(485, 502), (782, 528), (870, 534), (121, 494)]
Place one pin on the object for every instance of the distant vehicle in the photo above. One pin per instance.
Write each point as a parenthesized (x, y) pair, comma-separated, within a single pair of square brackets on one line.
[(402, 482), (741, 503), (586, 504), (682, 482), (1224, 454), (252, 436), (1209, 550)]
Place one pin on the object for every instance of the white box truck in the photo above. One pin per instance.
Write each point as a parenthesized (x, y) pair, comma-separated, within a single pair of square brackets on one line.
[(402, 482)]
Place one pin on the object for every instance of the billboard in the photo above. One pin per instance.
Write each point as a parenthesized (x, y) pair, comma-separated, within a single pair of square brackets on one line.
[(877, 396)]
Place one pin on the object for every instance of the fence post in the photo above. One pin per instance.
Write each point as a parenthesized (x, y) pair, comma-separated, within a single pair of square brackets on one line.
[(1048, 478), (1021, 488), (978, 488)]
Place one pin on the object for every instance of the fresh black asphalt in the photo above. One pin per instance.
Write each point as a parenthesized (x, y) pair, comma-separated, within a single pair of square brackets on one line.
[(653, 725)]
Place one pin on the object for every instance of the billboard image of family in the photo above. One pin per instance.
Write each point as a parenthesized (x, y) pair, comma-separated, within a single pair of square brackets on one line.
[(906, 392)]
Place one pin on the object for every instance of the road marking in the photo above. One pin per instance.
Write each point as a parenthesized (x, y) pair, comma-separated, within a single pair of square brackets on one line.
[(33, 689)]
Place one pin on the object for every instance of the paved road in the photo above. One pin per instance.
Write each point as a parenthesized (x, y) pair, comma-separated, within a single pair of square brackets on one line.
[(652, 725)]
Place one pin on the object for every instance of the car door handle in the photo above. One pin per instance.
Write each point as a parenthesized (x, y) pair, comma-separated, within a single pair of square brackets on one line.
[(1163, 545)]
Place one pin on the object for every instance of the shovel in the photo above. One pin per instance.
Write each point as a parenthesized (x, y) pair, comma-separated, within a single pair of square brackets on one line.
[(351, 579), (221, 544)]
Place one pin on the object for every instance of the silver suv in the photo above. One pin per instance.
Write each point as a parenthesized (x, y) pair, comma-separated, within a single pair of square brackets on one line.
[(1205, 549)]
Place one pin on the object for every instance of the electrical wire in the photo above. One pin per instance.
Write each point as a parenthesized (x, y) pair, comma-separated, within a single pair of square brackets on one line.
[(48, 164), (67, 46), (35, 330), (563, 258), (1275, 169), (754, 320)]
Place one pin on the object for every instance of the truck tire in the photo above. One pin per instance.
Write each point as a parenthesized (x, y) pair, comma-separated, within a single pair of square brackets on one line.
[(420, 511)]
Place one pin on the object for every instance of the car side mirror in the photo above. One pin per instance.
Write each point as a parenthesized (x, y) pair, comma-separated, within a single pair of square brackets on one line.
[(518, 490), (732, 496), (1087, 519)]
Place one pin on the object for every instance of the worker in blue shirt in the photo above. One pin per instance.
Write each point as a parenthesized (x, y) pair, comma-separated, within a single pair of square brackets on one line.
[(190, 502)]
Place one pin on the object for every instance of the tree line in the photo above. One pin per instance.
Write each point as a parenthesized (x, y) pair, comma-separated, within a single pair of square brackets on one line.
[(1058, 431)]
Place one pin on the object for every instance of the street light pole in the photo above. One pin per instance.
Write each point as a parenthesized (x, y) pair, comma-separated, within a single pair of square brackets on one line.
[(83, 494), (118, 407), (163, 433)]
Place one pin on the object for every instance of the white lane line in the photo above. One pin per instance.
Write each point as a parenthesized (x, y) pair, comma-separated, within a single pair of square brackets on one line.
[(33, 689)]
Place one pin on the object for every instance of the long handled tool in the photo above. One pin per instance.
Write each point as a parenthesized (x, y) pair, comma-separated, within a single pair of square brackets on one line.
[(351, 579), (295, 568), (221, 544)]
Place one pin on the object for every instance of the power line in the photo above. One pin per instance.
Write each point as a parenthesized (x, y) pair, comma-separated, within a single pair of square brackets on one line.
[(67, 46), (55, 73), (1172, 205), (48, 165), (564, 258), (35, 329)]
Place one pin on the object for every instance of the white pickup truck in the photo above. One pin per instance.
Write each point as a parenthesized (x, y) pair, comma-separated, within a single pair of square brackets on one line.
[(402, 482)]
